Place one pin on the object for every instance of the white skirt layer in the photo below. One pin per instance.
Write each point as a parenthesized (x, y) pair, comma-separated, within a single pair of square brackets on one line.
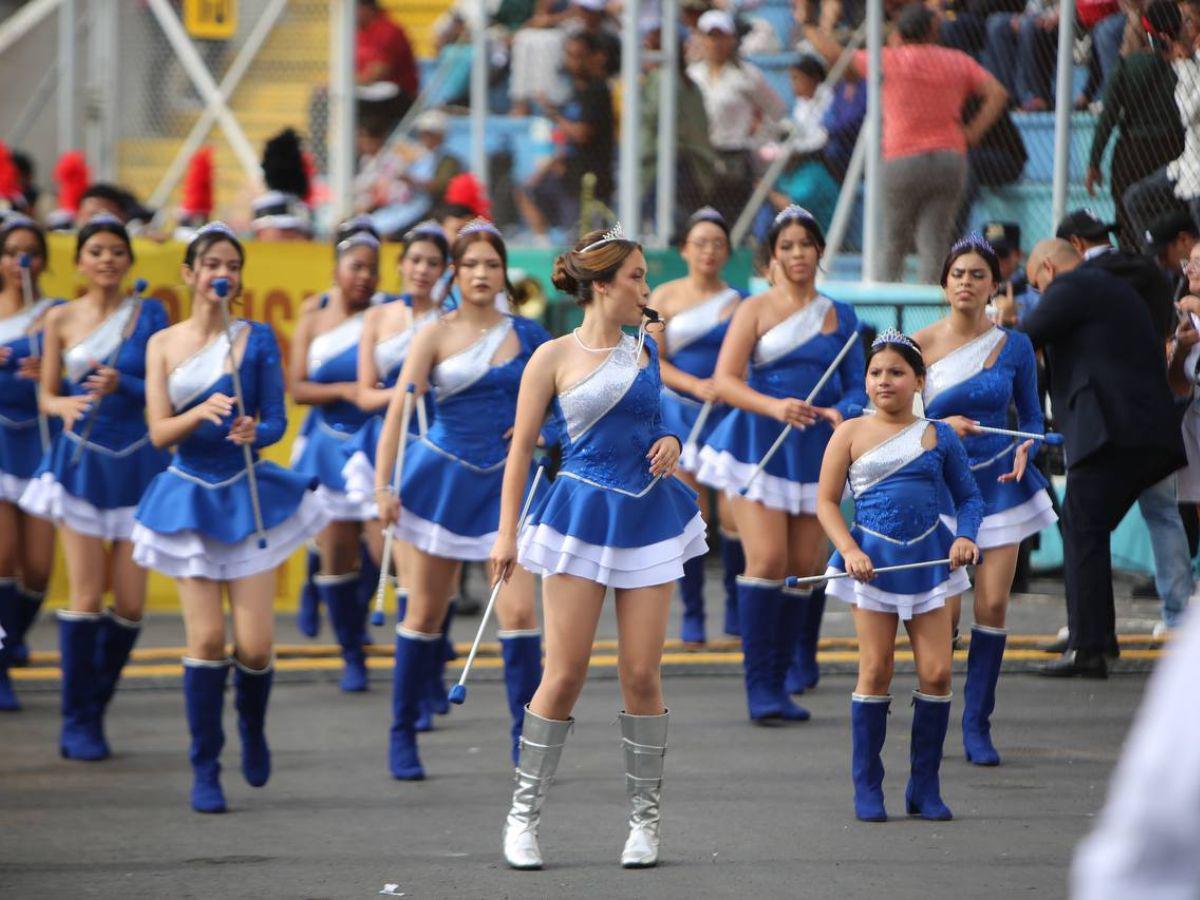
[(720, 470), (12, 487), (46, 498), (1012, 526), (431, 538), (867, 596), (359, 474), (340, 506), (544, 551), (190, 554)]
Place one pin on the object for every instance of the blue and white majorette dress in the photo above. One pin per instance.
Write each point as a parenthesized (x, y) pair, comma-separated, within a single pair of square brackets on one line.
[(897, 520), (788, 361), (962, 384), (98, 494), (20, 438), (196, 519), (606, 518), (318, 449), (450, 489), (693, 341), (359, 452)]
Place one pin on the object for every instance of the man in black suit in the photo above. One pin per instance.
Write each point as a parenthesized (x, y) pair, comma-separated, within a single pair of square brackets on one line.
[(1108, 387)]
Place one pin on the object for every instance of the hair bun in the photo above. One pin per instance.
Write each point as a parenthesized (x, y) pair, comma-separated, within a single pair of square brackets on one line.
[(561, 276)]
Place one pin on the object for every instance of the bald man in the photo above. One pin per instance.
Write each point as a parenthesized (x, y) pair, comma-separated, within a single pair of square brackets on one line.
[(1108, 387)]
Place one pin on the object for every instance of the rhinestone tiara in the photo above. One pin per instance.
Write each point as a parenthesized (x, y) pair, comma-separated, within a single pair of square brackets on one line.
[(213, 228), (358, 239), (973, 241), (616, 233), (892, 336), (792, 212), (479, 224)]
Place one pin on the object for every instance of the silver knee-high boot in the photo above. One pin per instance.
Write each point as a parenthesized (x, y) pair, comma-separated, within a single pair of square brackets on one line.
[(541, 748), (645, 742)]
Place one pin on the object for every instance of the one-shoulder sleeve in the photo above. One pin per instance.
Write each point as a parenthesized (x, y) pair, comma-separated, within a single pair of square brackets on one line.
[(152, 318), (853, 367), (272, 413), (956, 472), (1025, 392), (658, 428)]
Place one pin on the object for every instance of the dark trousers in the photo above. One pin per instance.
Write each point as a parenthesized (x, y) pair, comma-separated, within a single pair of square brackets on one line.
[(1100, 491)]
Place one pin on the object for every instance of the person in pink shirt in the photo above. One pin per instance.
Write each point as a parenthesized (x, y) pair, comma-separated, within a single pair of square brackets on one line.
[(925, 139)]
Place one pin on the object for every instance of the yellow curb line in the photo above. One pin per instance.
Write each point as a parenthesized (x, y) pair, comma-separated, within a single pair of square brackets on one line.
[(699, 658)]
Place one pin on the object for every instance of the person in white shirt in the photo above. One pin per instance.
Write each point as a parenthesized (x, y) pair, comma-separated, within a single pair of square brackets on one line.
[(741, 105), (807, 181)]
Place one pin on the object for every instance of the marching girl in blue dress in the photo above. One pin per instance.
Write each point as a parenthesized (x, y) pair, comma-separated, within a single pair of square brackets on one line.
[(322, 373), (308, 611), (449, 503), (976, 370), (897, 466), (26, 542), (199, 521), (613, 518), (94, 475), (388, 331), (778, 346), (697, 310)]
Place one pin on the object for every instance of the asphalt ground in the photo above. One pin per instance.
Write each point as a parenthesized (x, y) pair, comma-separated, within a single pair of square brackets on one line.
[(748, 811)]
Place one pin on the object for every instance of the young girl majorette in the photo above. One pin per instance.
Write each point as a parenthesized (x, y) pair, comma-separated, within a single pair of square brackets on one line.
[(897, 466), (26, 542), (697, 310), (613, 518), (975, 370), (779, 345), (388, 331), (449, 503), (94, 475), (198, 521), (322, 372)]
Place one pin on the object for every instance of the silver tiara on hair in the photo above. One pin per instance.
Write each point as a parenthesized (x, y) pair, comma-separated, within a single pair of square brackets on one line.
[(616, 233), (708, 214), (104, 218), (794, 212), (892, 336), (479, 224), (973, 241), (358, 239), (213, 228), (13, 221), (427, 227)]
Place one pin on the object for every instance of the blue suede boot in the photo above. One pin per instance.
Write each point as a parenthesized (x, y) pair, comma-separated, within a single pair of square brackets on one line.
[(437, 699), (204, 698), (979, 695), (415, 654), (868, 728), (691, 592), (114, 643), (522, 653), (27, 613), (804, 673), (9, 622), (339, 593), (733, 562), (758, 608), (368, 583), (82, 735), (308, 610), (931, 717), (252, 689), (425, 715), (792, 604)]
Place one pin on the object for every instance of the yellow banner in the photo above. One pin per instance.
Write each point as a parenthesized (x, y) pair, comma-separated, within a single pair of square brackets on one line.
[(276, 280)]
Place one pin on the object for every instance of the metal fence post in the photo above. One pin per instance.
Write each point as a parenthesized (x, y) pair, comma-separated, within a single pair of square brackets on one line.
[(629, 195), (1062, 108), (668, 82), (341, 103), (873, 193)]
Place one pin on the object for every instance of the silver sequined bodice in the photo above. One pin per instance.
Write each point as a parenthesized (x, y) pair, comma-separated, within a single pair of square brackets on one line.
[(798, 328), (686, 327), (391, 351), (194, 375), (18, 324), (587, 401), (456, 373), (325, 347), (888, 457), (961, 364), (100, 344)]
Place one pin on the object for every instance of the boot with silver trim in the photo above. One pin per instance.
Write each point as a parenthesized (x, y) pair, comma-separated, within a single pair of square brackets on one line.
[(645, 742), (542, 742)]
